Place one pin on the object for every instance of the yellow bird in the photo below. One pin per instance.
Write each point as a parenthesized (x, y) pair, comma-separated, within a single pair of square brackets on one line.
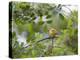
[(52, 32)]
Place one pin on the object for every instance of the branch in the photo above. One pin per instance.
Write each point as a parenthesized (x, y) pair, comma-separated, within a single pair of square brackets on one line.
[(38, 41)]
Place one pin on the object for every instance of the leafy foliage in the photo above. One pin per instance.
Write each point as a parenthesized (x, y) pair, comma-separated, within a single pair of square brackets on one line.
[(35, 19)]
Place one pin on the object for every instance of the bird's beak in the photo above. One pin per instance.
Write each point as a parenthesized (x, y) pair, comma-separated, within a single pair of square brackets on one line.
[(57, 35)]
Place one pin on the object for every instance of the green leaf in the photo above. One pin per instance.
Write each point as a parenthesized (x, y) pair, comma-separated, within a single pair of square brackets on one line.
[(41, 22), (48, 16), (50, 21), (61, 16), (30, 27)]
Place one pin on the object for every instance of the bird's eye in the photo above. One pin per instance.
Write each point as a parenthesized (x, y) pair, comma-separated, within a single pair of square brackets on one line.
[(53, 30)]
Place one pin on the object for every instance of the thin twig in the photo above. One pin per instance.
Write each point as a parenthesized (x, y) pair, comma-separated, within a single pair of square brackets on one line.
[(52, 43), (52, 46), (68, 8)]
